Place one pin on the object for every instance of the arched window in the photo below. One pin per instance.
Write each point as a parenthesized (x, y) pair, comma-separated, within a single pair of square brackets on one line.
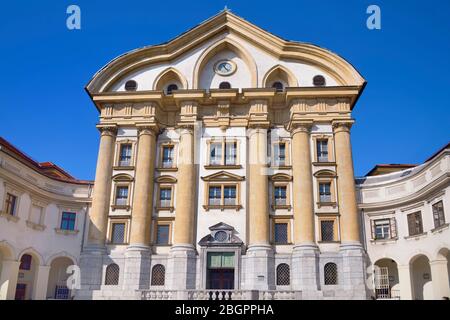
[(158, 275), (278, 86), (330, 274), (112, 275), (224, 85), (25, 262), (171, 88), (131, 85), (283, 275), (319, 81)]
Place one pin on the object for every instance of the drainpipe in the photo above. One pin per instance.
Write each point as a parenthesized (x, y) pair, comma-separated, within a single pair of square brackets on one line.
[(86, 215)]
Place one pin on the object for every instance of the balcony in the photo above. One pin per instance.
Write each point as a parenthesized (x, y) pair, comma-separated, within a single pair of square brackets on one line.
[(220, 295)]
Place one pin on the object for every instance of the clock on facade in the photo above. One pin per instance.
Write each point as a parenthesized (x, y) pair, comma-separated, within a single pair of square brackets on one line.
[(225, 67)]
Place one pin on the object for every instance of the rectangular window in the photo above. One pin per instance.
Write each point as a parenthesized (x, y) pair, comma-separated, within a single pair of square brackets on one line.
[(167, 160), (438, 214), (215, 153), (36, 214), (68, 220), (165, 197), (215, 195), (281, 233), (280, 195), (230, 153), (327, 230), (118, 233), (162, 234), (125, 155), (11, 201), (325, 192), (121, 195), (279, 156), (415, 226), (229, 193), (382, 229), (322, 150)]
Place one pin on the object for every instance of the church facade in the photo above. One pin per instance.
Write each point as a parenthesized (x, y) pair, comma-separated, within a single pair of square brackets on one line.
[(225, 171)]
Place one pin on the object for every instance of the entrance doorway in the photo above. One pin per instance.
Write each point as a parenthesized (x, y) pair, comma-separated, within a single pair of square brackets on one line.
[(220, 271), (21, 290), (221, 279)]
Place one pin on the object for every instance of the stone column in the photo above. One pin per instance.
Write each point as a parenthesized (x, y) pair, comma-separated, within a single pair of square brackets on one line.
[(41, 283), (305, 256), (137, 255), (91, 258), (182, 257), (259, 257), (8, 279), (439, 276), (346, 184), (102, 187), (404, 280), (353, 254)]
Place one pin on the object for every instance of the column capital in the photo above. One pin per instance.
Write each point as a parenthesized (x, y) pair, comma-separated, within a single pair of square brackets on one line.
[(342, 125), (107, 129), (148, 129), (186, 127), (300, 126)]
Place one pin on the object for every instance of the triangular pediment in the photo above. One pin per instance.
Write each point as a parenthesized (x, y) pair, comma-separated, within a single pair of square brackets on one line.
[(223, 176), (221, 226)]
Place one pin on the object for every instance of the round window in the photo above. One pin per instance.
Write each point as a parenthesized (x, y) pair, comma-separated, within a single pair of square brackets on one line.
[(220, 236)]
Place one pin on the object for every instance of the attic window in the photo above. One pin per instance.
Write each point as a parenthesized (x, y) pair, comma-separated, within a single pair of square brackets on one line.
[(319, 81), (225, 85), (278, 86), (131, 85), (171, 88)]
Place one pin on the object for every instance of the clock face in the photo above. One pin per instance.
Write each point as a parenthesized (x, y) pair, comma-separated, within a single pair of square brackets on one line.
[(225, 67)]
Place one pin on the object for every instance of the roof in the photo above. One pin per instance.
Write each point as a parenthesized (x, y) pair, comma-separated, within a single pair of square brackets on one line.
[(380, 169), (48, 169)]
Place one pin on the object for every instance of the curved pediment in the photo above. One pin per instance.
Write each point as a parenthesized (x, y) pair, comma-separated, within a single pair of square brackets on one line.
[(281, 177), (192, 49), (166, 179), (325, 174), (223, 176), (122, 177)]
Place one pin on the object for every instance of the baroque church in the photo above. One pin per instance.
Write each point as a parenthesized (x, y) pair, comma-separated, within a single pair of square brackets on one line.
[(225, 171)]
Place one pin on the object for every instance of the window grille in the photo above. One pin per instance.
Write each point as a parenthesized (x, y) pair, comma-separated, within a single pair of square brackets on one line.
[(283, 275), (158, 275), (330, 274), (118, 233), (112, 275), (62, 293), (327, 230), (281, 233)]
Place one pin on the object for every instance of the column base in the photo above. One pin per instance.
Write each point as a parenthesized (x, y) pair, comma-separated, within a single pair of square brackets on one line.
[(259, 268), (91, 271), (305, 273), (354, 267), (181, 267), (137, 267)]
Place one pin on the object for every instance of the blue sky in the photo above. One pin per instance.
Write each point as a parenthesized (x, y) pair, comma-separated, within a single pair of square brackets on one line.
[(403, 115)]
